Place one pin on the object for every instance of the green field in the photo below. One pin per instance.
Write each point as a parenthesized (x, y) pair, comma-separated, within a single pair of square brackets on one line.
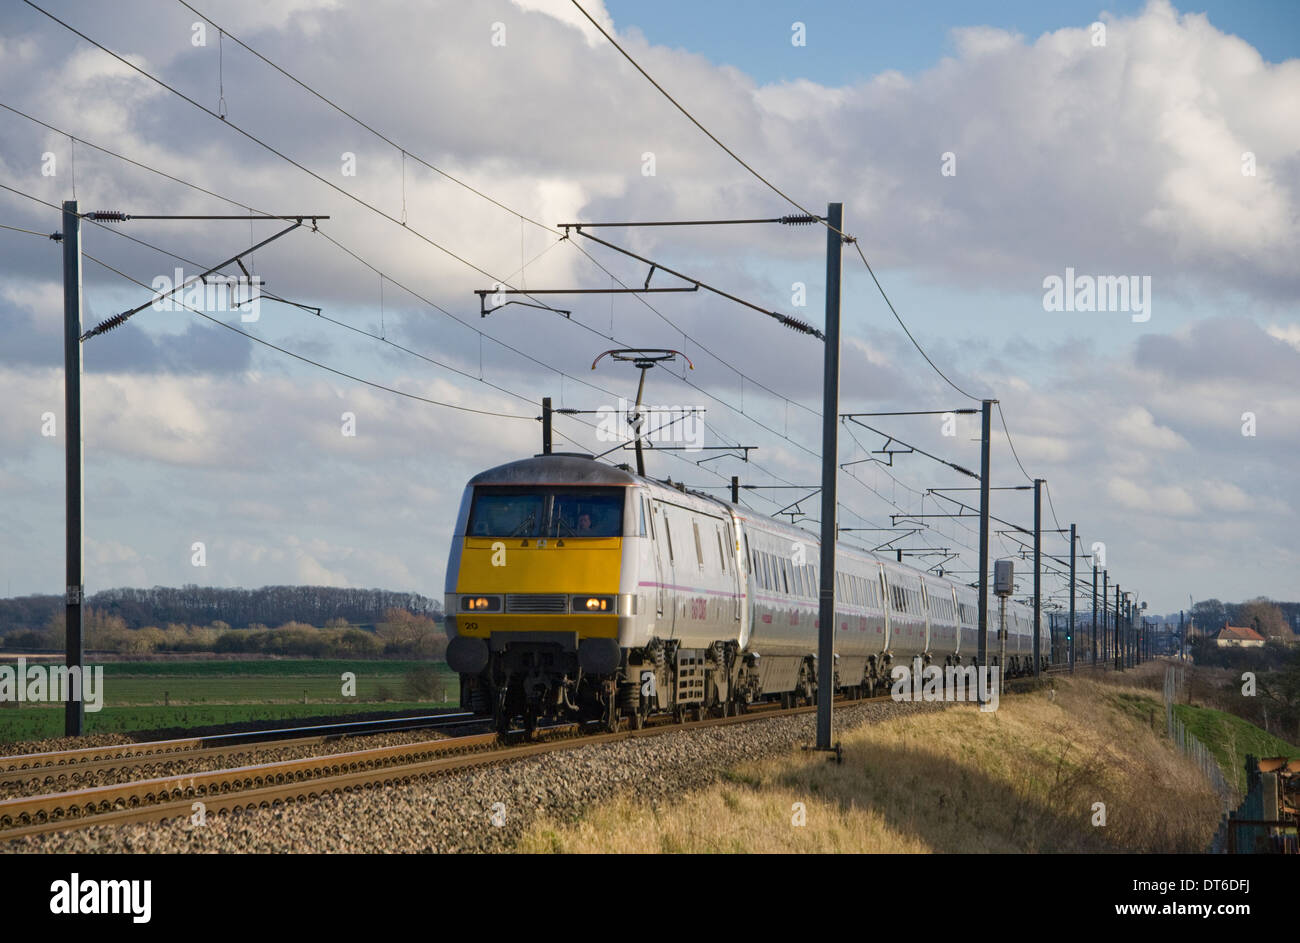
[(1230, 738), (162, 695)]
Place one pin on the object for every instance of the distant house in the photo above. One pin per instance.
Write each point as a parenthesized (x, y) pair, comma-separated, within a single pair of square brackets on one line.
[(1239, 637)]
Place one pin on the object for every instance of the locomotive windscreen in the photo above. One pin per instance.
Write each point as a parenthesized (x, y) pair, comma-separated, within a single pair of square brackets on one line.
[(541, 511)]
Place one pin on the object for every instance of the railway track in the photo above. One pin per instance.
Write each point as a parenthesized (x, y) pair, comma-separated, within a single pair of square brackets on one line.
[(268, 785), (68, 766)]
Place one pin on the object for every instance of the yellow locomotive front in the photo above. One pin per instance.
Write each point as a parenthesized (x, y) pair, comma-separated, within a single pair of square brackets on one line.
[(534, 594)]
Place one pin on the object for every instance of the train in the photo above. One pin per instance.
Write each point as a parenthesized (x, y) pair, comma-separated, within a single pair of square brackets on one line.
[(577, 590)]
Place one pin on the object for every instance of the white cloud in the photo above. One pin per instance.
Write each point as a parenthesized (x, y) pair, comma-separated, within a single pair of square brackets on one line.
[(1139, 430), (1173, 500), (567, 13), (1290, 333), (1123, 159)]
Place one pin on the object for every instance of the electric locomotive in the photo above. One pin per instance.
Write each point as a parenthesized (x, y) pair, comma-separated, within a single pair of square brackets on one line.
[(580, 590)]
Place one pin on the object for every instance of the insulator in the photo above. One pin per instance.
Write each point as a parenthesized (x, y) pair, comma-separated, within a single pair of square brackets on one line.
[(801, 219), (108, 216), (108, 325), (797, 324)]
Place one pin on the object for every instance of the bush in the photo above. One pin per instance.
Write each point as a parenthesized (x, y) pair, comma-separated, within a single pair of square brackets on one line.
[(421, 683)]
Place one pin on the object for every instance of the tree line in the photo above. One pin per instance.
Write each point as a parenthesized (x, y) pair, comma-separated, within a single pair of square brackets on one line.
[(193, 605), (398, 634)]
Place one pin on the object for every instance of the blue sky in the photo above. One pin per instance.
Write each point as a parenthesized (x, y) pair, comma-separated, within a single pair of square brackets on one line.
[(850, 41)]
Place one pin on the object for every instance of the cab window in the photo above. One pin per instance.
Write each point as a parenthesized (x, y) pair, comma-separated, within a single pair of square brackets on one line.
[(542, 511), (506, 513)]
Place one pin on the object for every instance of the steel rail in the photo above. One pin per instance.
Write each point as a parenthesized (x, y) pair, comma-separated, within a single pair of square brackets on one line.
[(86, 758), (273, 784)]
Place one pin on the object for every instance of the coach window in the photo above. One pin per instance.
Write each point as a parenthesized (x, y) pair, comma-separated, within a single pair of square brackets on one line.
[(668, 532), (699, 550), (722, 556)]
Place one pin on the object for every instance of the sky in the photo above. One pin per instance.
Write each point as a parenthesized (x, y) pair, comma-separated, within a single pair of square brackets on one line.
[(982, 154)]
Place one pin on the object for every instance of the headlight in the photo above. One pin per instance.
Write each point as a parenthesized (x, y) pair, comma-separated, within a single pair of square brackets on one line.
[(480, 603), (593, 604)]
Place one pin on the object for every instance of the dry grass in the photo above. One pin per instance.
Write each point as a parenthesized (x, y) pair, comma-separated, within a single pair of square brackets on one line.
[(1023, 779)]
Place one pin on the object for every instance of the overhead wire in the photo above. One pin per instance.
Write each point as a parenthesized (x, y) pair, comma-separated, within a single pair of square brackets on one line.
[(377, 133), (524, 217), (521, 216), (375, 209), (307, 360), (272, 149), (30, 232), (773, 187), (1012, 445), (364, 203)]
